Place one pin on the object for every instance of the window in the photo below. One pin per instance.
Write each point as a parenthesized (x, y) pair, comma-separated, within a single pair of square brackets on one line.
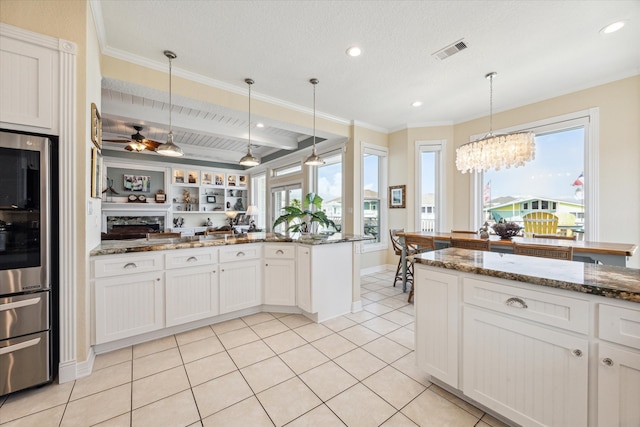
[(281, 197), (287, 170), (430, 181), (259, 199), (374, 185), (555, 181), (329, 187)]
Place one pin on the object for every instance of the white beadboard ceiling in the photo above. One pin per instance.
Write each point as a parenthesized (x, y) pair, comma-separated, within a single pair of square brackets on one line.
[(540, 49)]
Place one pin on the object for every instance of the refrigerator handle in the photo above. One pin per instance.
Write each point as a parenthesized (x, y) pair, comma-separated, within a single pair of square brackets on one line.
[(18, 304), (20, 346)]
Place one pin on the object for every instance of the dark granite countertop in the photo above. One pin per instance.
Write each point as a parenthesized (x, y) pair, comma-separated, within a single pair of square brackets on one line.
[(604, 280), (110, 247)]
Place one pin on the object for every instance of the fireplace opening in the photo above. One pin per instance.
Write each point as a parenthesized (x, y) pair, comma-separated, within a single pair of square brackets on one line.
[(132, 227)]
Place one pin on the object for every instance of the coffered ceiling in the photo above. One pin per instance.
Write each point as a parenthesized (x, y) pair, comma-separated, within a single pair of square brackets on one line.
[(540, 49)]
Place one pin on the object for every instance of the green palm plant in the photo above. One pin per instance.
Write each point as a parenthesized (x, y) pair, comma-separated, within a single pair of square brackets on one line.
[(303, 217)]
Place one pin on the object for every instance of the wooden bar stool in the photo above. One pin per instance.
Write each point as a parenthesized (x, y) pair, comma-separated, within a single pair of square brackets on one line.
[(417, 245), (544, 251)]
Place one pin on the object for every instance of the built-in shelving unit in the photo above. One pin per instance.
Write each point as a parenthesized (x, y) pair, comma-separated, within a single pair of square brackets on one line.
[(194, 190)]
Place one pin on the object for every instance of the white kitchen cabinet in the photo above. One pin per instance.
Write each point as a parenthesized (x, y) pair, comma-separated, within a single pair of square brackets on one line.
[(533, 375), (618, 366), (437, 308), (279, 274), (191, 294), (30, 85), (324, 279), (128, 305), (240, 277)]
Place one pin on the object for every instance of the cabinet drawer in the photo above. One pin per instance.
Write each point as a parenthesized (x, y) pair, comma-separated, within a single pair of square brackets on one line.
[(547, 308), (619, 325), (280, 251), (239, 252), (190, 258), (119, 265)]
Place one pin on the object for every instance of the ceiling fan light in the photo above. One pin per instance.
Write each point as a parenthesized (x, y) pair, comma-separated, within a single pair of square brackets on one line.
[(137, 146), (169, 148)]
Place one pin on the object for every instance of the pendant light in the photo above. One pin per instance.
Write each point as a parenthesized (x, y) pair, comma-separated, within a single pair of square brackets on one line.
[(249, 159), (495, 151), (169, 148), (314, 159)]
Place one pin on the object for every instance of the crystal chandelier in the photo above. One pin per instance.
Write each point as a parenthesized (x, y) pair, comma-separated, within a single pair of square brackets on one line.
[(169, 148), (249, 159), (495, 151)]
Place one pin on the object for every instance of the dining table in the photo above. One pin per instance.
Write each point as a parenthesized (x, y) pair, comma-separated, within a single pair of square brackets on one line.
[(583, 251)]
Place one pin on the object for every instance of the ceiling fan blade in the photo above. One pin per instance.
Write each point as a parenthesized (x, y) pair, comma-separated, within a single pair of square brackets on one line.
[(121, 141), (151, 144)]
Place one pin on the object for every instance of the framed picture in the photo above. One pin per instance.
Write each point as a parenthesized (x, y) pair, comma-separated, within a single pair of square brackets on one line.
[(96, 173), (137, 183), (397, 196), (96, 127)]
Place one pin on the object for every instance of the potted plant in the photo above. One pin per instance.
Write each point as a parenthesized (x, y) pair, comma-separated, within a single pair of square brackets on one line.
[(305, 217)]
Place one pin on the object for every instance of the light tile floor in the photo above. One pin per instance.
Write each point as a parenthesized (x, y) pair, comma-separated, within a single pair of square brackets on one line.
[(261, 370)]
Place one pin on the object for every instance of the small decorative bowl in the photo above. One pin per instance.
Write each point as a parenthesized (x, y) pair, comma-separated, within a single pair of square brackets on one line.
[(506, 230)]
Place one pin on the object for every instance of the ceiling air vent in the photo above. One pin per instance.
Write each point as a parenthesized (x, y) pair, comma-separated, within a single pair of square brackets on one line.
[(452, 49)]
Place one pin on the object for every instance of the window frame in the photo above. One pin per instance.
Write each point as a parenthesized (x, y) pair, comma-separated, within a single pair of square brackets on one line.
[(325, 155), (590, 121), (440, 148), (383, 168)]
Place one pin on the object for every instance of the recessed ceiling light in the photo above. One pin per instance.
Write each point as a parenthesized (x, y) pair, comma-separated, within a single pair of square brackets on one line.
[(259, 125), (354, 51), (612, 28), (416, 104)]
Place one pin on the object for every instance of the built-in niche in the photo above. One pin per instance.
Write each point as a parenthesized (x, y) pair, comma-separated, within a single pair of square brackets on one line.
[(116, 178)]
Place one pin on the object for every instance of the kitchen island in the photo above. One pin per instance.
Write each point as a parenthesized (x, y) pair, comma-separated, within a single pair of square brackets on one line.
[(538, 341), (145, 289)]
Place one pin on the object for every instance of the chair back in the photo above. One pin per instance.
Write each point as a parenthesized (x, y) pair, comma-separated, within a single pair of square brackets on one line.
[(395, 240), (418, 244), (544, 251), (474, 244), (540, 223), (151, 236), (554, 236)]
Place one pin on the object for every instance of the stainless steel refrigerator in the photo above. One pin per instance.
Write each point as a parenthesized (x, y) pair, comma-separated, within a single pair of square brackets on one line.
[(25, 262)]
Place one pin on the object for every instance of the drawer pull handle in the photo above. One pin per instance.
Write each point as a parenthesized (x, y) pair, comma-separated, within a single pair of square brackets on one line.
[(516, 302), (130, 265), (192, 258), (607, 362), (279, 252), (19, 346), (18, 304), (577, 352), (240, 254)]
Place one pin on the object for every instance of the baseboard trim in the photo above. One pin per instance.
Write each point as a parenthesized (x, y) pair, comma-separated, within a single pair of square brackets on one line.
[(376, 269), (356, 306)]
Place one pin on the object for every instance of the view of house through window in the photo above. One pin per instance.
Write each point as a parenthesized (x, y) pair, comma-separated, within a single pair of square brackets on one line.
[(329, 187), (553, 182), (374, 182)]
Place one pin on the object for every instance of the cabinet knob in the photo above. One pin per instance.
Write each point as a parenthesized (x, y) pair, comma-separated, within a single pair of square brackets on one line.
[(607, 362), (157, 279), (130, 265), (516, 302), (214, 271), (192, 258), (266, 265), (577, 352)]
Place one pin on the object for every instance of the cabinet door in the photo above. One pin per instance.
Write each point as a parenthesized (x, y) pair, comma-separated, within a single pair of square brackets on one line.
[(303, 282), (618, 386), (531, 374), (191, 294), (437, 326), (240, 285), (280, 282), (128, 305)]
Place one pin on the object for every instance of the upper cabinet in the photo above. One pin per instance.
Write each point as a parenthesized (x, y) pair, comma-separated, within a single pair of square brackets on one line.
[(29, 89)]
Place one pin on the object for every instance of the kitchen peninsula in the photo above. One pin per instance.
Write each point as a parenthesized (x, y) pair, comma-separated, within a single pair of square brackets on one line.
[(539, 341), (144, 289)]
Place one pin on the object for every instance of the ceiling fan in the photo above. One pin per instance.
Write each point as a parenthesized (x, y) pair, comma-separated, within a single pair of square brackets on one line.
[(137, 142)]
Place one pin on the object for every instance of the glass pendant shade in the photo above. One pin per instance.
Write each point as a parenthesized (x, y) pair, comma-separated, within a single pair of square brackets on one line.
[(249, 159), (495, 151), (314, 159), (169, 148)]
